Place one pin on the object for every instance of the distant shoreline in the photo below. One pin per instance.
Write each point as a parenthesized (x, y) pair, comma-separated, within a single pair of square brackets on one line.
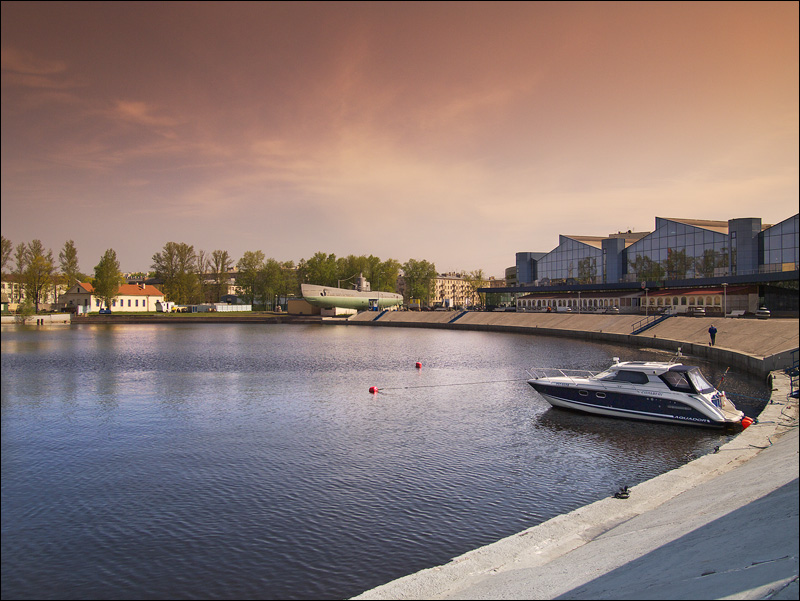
[(166, 318), (755, 346)]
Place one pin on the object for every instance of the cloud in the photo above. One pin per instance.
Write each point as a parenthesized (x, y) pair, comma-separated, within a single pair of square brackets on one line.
[(142, 113), (26, 70), (27, 63)]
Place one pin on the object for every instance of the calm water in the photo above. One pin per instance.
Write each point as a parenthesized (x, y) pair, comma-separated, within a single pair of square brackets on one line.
[(251, 462)]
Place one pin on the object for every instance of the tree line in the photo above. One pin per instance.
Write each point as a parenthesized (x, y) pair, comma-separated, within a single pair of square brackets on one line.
[(190, 276)]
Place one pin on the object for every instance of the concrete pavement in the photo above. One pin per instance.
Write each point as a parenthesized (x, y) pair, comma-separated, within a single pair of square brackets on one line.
[(724, 526), (752, 345)]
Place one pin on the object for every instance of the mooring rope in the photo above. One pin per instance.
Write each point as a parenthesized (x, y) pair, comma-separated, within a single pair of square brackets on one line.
[(376, 389)]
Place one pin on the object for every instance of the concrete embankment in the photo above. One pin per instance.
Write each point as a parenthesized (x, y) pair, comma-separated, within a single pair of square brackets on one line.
[(36, 320), (724, 526), (173, 318), (751, 345)]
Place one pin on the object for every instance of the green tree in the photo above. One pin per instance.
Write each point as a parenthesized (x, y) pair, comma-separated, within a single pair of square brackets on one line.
[(290, 285), (21, 260), (349, 268), (383, 276), (176, 267), (202, 267), (321, 269), (68, 260), (476, 279), (270, 281), (220, 267), (419, 277), (7, 249), (39, 272), (248, 279), (107, 277)]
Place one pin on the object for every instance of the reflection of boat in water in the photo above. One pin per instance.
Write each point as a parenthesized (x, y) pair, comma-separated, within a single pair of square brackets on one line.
[(359, 297), (645, 390)]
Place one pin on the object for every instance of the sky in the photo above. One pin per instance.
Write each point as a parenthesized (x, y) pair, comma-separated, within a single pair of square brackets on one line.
[(459, 133)]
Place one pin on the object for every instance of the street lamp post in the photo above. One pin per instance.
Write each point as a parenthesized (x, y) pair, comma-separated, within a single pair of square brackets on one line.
[(724, 299)]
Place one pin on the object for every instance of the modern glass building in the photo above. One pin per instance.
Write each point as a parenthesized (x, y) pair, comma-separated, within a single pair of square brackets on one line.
[(677, 250), (778, 250)]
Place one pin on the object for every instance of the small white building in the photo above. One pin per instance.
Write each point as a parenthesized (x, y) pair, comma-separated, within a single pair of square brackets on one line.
[(131, 297)]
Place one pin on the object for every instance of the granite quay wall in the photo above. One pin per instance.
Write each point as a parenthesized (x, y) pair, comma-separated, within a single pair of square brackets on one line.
[(751, 345), (35, 320), (170, 318)]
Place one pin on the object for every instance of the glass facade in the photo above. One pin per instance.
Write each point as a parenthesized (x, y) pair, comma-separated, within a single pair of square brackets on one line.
[(677, 251), (572, 261), (780, 246)]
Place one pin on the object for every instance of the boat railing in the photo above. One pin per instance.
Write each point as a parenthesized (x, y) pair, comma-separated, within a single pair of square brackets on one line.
[(555, 372)]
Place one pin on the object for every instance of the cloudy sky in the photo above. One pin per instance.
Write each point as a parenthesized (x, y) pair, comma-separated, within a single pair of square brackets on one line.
[(459, 133)]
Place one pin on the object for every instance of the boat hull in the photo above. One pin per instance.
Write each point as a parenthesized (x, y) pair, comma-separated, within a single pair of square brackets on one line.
[(327, 297), (653, 408)]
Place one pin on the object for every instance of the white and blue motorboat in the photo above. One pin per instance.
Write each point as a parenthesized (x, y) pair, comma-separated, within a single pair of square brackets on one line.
[(645, 390)]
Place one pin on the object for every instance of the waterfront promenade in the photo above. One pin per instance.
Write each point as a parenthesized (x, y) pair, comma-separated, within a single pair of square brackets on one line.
[(724, 526), (752, 345)]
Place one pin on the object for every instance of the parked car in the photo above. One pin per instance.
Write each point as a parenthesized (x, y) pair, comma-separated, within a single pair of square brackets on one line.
[(613, 310), (762, 313), (105, 311), (697, 311)]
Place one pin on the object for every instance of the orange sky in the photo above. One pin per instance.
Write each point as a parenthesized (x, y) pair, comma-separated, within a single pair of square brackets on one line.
[(460, 133)]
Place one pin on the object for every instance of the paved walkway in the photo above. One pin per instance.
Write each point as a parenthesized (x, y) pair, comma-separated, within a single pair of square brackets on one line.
[(724, 526), (754, 345)]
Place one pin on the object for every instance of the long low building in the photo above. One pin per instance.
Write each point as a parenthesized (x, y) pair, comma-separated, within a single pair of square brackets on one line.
[(713, 300), (131, 297)]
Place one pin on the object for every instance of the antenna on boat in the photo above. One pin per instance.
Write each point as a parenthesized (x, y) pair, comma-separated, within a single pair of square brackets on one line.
[(722, 379)]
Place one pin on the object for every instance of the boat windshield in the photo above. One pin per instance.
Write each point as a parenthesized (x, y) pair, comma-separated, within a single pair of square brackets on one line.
[(689, 380), (699, 382), (677, 381), (623, 375)]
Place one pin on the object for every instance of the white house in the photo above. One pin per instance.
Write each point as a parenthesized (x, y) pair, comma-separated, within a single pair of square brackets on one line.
[(131, 297)]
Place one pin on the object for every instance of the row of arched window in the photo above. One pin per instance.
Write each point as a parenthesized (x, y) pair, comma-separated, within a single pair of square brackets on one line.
[(600, 303)]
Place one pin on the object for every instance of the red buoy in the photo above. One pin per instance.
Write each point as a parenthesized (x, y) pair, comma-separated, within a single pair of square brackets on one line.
[(746, 421), (373, 389), (419, 364)]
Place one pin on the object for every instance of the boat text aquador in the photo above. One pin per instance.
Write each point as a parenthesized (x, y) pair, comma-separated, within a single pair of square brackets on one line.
[(360, 297), (644, 390)]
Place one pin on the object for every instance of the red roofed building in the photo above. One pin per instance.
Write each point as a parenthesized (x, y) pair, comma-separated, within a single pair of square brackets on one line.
[(131, 297)]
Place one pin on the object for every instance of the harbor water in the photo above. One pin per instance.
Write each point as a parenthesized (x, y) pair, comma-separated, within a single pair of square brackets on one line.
[(242, 461)]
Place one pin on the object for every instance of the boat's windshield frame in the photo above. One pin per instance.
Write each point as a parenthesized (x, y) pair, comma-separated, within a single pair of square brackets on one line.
[(687, 379), (699, 381)]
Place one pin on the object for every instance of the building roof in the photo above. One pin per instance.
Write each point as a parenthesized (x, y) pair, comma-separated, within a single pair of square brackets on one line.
[(126, 289), (595, 241), (707, 224), (705, 291)]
